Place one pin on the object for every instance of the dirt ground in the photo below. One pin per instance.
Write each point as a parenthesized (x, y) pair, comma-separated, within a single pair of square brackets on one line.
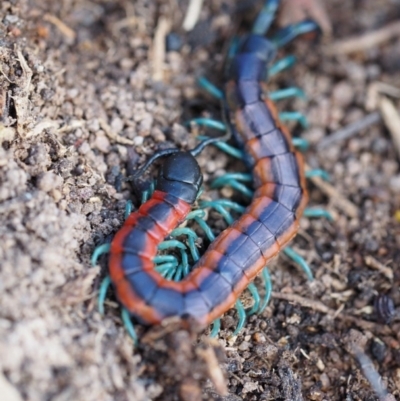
[(84, 96)]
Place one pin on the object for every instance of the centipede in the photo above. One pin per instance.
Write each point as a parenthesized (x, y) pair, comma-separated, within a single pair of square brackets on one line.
[(271, 220)]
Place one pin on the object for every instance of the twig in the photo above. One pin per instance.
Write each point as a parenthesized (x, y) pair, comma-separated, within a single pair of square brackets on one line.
[(371, 374), (391, 118), (375, 264), (61, 26), (375, 89), (320, 307), (307, 303), (192, 14), (112, 135), (22, 102), (350, 130), (214, 371), (364, 42), (159, 50), (349, 208)]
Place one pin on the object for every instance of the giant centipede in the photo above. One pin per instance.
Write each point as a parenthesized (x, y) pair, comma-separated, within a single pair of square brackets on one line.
[(241, 251)]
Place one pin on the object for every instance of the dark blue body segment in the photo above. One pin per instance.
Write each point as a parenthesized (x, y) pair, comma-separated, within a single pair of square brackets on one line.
[(249, 67), (259, 234), (289, 197), (195, 305), (260, 46), (248, 92), (285, 169), (244, 251), (273, 215), (143, 285), (270, 144), (215, 288), (229, 269), (168, 302)]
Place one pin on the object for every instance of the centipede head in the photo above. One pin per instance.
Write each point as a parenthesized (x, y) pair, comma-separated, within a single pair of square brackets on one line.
[(180, 175)]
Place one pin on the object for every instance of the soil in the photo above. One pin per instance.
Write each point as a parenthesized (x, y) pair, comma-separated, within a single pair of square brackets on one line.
[(85, 96)]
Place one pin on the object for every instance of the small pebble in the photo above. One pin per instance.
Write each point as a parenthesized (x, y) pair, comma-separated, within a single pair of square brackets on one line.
[(102, 143), (48, 181), (259, 338), (343, 94), (378, 349)]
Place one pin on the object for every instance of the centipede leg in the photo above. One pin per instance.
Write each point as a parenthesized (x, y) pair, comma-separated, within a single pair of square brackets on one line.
[(105, 284), (287, 34), (165, 263), (318, 173), (256, 296), (221, 206), (300, 261), (282, 65), (191, 236), (209, 122), (317, 213), (234, 183), (216, 328), (198, 217), (294, 116), (173, 243), (128, 209), (268, 289), (99, 250), (129, 325), (286, 93), (301, 144), (265, 17), (242, 317), (209, 87)]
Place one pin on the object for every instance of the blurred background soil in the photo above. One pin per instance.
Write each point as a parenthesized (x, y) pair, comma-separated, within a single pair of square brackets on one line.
[(85, 94)]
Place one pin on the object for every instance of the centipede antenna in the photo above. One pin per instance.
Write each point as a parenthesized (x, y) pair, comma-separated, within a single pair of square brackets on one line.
[(157, 155), (199, 148)]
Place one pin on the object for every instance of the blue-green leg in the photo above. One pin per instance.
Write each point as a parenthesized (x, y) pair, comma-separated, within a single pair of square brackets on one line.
[(102, 294), (318, 213), (99, 250), (301, 144), (318, 173), (192, 237), (292, 254), (228, 149), (256, 296), (146, 194), (285, 93), (164, 264), (232, 181), (173, 243), (216, 328), (281, 65), (129, 325), (268, 289), (198, 217), (242, 317), (209, 87), (290, 32), (128, 209), (232, 51), (221, 206), (294, 116), (209, 123), (265, 17)]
